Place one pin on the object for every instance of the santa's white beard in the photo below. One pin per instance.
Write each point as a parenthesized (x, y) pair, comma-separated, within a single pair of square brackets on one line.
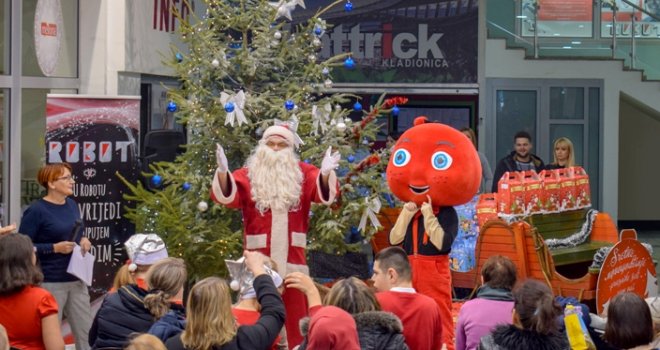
[(275, 178)]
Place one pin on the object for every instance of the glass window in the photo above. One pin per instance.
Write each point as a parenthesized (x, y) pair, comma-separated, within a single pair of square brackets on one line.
[(4, 103), (515, 111), (50, 40), (5, 26), (566, 103)]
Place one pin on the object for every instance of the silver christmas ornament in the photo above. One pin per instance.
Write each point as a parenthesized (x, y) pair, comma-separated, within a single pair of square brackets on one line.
[(215, 63), (202, 206), (277, 35), (341, 126)]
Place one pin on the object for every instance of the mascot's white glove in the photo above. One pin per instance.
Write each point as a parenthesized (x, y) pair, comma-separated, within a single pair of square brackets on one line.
[(330, 161), (221, 159)]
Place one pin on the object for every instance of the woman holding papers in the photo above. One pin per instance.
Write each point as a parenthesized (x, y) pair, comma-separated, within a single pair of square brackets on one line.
[(53, 223)]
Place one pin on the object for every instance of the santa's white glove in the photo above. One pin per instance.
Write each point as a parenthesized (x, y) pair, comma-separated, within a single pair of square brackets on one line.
[(330, 161), (221, 159)]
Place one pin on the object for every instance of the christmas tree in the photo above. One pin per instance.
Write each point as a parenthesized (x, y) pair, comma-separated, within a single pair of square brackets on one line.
[(245, 67)]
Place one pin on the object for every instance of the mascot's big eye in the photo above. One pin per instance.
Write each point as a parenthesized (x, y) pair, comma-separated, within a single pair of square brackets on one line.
[(401, 157), (441, 160)]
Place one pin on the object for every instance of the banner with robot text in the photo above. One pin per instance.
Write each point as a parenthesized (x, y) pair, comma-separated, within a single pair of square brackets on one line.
[(98, 137)]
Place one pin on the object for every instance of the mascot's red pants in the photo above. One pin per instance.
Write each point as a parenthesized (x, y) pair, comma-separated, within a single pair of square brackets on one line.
[(431, 277)]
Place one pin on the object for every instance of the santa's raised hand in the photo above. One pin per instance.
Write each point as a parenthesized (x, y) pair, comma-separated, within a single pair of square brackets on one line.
[(221, 159), (330, 161)]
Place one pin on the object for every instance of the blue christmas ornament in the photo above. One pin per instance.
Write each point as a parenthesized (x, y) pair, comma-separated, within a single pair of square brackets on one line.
[(179, 57), (357, 106), (350, 158), (395, 111), (318, 30), (289, 105), (156, 180), (348, 7), (186, 186), (172, 107), (355, 230), (349, 63), (307, 161), (229, 107)]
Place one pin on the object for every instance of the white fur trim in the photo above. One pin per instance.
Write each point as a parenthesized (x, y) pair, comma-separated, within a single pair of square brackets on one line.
[(281, 131), (332, 187), (297, 268), (217, 191), (299, 239), (279, 238), (256, 241)]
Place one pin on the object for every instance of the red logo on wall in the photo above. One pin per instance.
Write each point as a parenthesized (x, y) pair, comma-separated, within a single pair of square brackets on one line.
[(48, 29)]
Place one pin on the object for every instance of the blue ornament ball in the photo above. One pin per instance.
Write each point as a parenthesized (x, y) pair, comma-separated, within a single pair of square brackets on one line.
[(318, 30), (349, 63), (307, 161), (395, 111), (179, 57), (357, 106), (289, 105), (355, 230), (229, 107), (348, 6), (350, 158), (186, 186), (156, 180), (172, 107)]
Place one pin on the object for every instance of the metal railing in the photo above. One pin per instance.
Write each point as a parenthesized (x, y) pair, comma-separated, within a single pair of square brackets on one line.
[(614, 29)]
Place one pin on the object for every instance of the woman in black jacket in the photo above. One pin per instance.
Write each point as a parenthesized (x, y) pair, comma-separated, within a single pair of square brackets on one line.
[(133, 310), (211, 324)]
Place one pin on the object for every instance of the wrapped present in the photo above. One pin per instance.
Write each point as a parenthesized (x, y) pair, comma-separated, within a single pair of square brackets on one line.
[(582, 189), (511, 194), (551, 194), (486, 208), (533, 192), (567, 189)]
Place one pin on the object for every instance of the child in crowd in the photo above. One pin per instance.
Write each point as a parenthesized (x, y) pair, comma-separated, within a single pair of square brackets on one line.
[(535, 322), (629, 323), (145, 342), (143, 251), (27, 311), (210, 323), (133, 309)]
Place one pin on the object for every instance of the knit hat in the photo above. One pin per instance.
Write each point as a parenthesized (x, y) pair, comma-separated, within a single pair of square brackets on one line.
[(332, 328), (281, 131), (145, 249), (243, 279)]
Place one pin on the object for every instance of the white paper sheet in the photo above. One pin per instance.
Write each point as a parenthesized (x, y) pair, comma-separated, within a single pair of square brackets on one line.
[(81, 266)]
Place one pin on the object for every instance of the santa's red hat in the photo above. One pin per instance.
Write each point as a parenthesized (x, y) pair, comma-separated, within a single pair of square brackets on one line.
[(281, 131)]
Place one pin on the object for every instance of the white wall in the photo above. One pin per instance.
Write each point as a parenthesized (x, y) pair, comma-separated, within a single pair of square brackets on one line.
[(502, 63), (639, 188)]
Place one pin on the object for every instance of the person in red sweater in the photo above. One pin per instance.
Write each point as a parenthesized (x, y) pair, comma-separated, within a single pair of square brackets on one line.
[(420, 315)]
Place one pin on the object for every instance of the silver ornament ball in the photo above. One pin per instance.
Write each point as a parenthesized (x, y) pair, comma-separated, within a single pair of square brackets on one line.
[(202, 206), (277, 35)]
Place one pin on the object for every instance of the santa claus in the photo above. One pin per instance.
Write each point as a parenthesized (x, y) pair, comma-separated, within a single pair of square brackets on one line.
[(274, 192)]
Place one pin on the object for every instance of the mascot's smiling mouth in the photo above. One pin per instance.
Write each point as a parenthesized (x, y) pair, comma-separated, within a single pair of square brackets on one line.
[(419, 190)]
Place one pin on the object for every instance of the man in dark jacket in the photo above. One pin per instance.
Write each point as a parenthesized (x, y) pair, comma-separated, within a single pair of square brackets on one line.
[(520, 159)]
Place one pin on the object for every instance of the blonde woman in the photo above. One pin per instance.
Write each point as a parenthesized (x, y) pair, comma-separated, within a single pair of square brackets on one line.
[(210, 323), (133, 310), (564, 156)]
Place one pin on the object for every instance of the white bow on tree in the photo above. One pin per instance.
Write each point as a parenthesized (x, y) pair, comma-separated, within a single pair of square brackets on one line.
[(320, 118), (284, 8), (370, 212), (236, 115)]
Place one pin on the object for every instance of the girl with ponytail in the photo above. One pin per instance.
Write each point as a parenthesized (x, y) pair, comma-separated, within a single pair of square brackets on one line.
[(535, 322), (135, 310)]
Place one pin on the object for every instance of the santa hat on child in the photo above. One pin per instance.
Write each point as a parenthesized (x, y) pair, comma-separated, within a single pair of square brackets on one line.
[(332, 328), (145, 249)]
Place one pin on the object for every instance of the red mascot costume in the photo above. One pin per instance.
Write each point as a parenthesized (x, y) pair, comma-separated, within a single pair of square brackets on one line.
[(433, 167)]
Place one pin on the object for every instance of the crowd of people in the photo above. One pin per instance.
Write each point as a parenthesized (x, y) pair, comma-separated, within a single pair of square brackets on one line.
[(279, 306)]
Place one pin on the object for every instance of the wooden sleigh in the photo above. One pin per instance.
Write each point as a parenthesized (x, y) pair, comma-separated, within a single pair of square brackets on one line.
[(565, 270)]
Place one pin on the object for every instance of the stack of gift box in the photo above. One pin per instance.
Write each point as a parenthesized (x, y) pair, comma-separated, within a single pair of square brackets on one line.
[(523, 193)]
